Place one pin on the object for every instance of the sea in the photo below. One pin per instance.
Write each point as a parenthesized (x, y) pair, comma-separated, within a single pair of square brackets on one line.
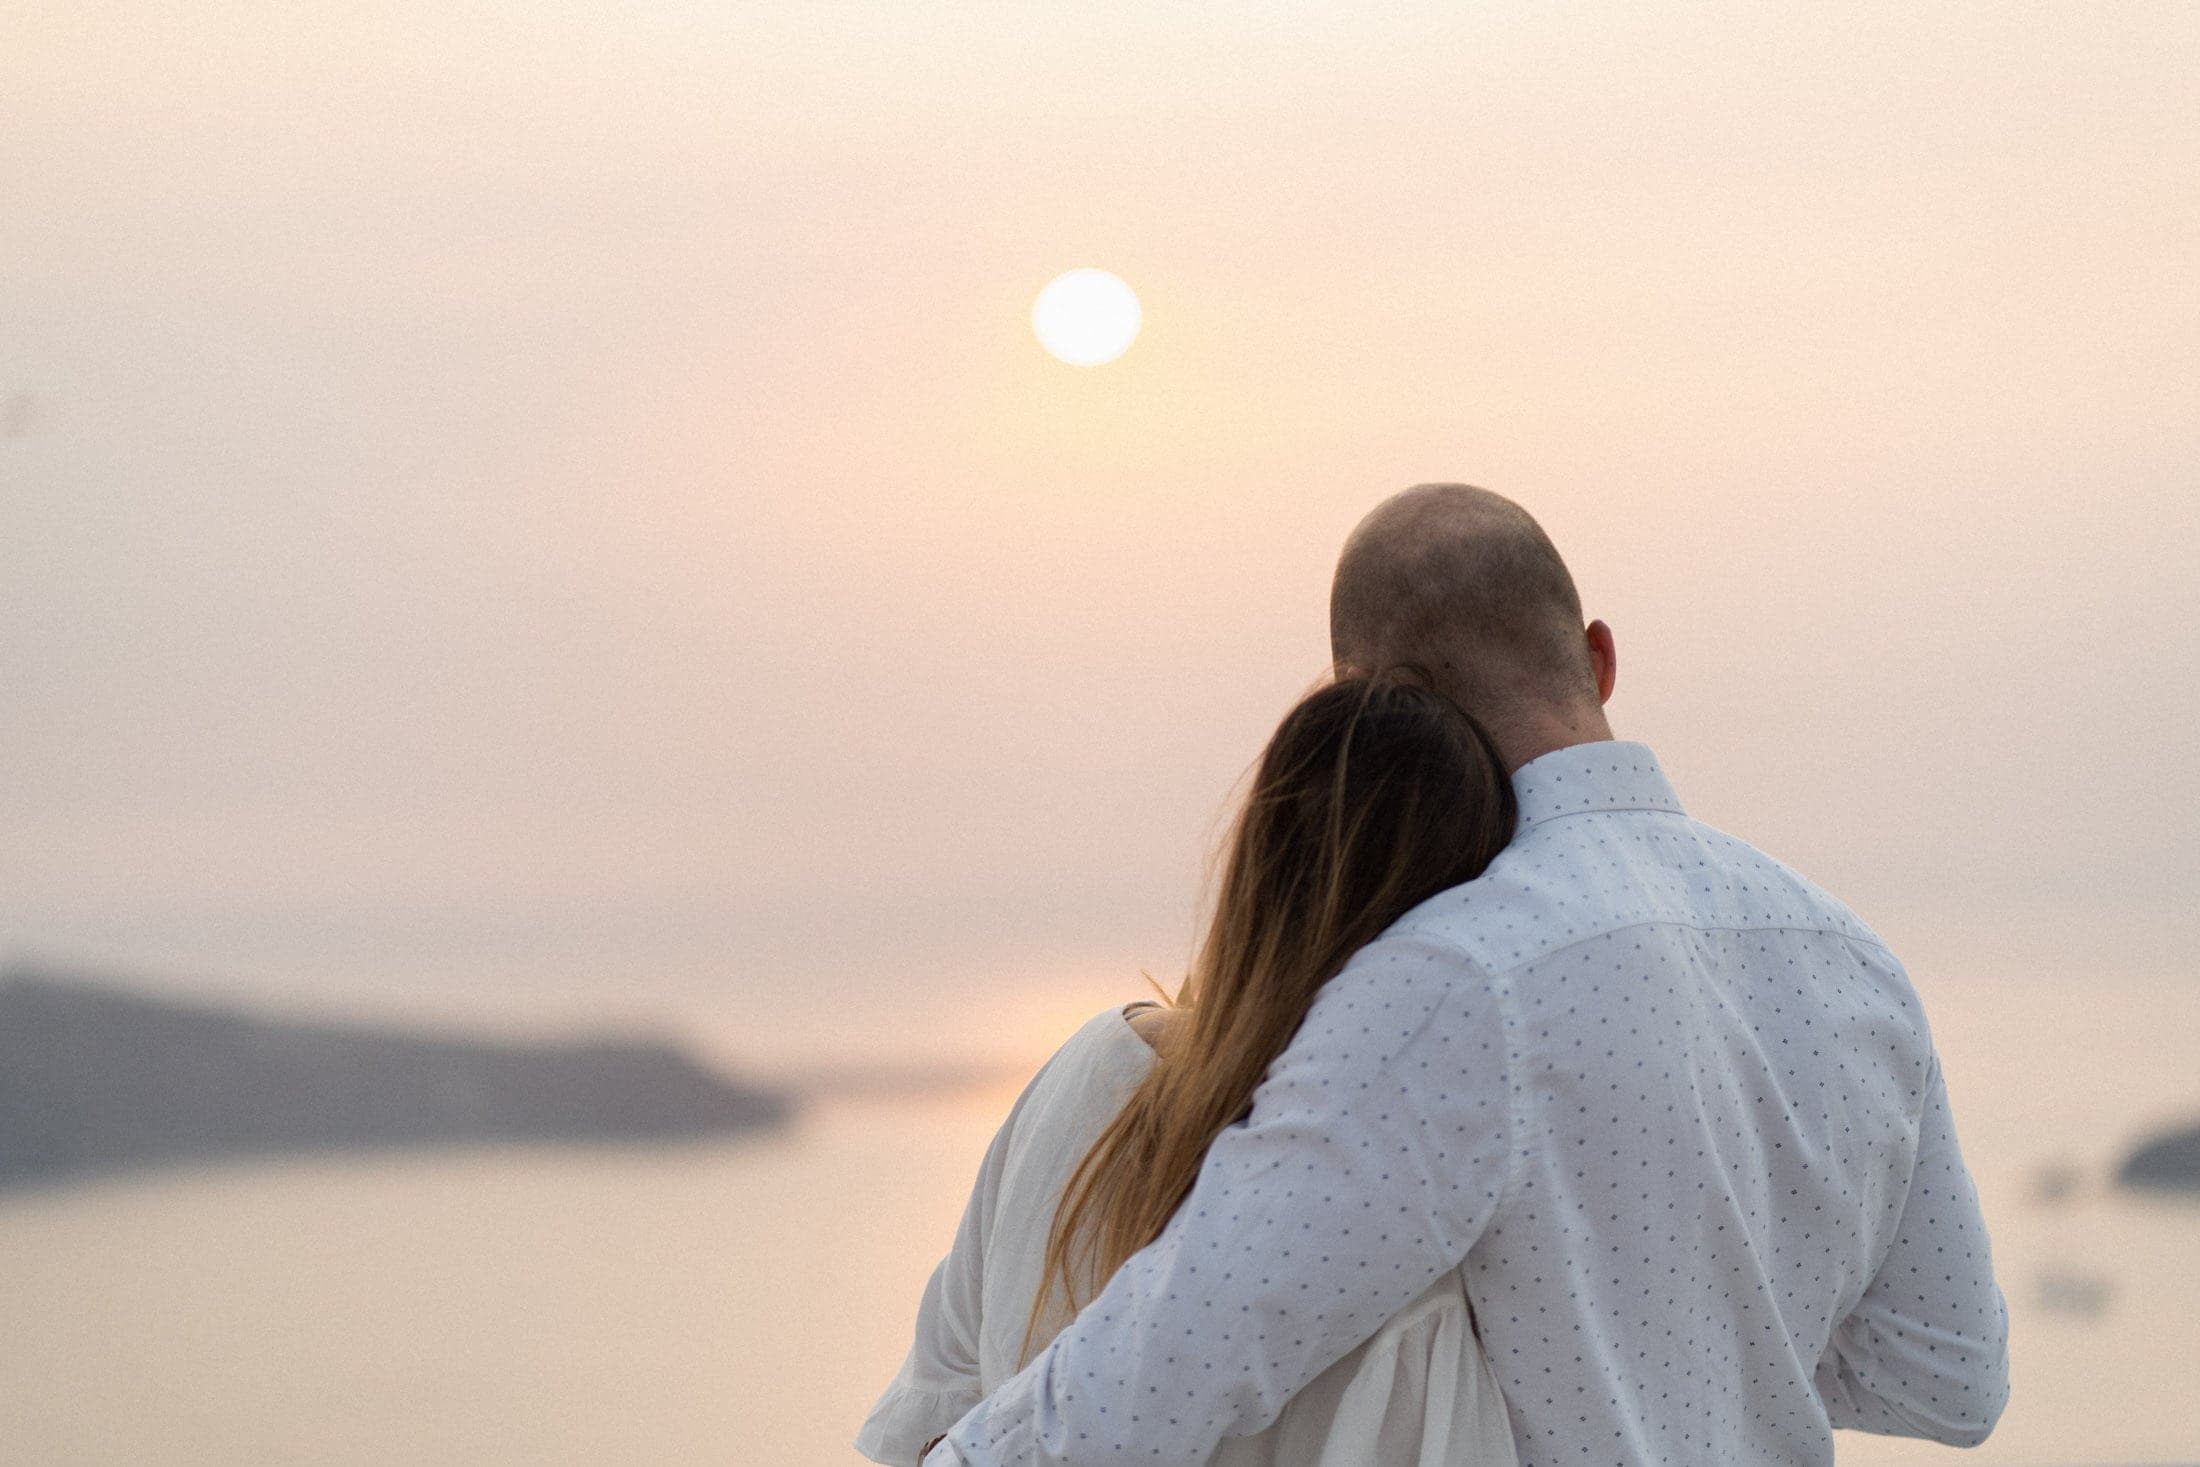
[(743, 1301)]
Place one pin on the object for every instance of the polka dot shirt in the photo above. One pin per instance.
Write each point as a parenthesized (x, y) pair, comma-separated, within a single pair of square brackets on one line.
[(1673, 1111)]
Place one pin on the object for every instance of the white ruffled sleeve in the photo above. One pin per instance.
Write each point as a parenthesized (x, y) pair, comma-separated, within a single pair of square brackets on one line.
[(939, 1380)]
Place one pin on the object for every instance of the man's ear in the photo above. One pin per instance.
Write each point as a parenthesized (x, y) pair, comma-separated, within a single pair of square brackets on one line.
[(1603, 659)]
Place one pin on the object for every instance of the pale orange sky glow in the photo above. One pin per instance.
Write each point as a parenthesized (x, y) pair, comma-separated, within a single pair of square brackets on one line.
[(564, 500)]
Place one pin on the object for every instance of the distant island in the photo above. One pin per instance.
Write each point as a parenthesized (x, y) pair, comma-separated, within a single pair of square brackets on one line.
[(96, 1077), (2167, 1163)]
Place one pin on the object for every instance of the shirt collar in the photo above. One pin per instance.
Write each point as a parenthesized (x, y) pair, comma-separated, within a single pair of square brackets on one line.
[(1606, 775)]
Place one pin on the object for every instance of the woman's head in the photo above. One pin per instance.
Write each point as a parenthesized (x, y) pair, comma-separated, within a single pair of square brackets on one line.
[(1373, 795)]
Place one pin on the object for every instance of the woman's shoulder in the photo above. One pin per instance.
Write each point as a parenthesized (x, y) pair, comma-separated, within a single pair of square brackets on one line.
[(1116, 1036), (1071, 1098), (1105, 1053)]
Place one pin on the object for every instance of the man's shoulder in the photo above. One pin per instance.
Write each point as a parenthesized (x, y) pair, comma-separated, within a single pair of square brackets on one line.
[(1574, 880), (1770, 892)]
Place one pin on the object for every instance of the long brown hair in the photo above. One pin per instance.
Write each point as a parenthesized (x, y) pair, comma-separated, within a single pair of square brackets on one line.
[(1374, 794)]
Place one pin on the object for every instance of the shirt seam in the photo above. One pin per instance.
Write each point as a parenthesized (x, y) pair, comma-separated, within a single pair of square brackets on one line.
[(1546, 818), (1510, 969), (1909, 1183), (1508, 1005), (1500, 986)]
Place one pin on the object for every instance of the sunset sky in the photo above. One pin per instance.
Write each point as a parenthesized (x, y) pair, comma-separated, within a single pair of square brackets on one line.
[(559, 506)]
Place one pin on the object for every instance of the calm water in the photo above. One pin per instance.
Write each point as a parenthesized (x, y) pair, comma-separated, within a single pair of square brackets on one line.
[(743, 1302)]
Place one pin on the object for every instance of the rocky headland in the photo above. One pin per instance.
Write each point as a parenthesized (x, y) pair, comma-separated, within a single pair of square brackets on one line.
[(96, 1077)]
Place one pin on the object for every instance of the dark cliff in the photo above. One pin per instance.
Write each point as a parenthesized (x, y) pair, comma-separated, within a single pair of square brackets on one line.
[(99, 1078)]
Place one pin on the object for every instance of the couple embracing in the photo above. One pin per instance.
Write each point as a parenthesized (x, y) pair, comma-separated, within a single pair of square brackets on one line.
[(1507, 1114)]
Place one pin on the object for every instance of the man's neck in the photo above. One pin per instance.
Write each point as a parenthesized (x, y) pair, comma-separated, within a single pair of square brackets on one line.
[(1549, 735)]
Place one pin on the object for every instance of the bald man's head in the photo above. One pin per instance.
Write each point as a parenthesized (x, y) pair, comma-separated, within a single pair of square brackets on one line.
[(1464, 584)]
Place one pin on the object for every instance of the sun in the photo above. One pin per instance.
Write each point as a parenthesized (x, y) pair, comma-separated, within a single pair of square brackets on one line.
[(1086, 318)]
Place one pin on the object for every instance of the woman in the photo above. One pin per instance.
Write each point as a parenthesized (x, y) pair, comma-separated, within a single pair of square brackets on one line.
[(1374, 795)]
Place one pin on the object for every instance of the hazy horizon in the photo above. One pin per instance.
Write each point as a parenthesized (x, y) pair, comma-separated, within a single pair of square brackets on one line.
[(563, 506)]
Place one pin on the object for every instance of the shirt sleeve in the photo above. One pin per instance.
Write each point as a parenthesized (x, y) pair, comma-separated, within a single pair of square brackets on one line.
[(1925, 1353), (938, 1380), (1375, 1152)]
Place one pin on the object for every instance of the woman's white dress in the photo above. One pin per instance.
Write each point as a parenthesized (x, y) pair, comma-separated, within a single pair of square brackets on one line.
[(1419, 1393)]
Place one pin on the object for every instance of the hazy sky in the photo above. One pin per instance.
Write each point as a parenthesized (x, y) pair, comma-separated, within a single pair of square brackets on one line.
[(562, 499)]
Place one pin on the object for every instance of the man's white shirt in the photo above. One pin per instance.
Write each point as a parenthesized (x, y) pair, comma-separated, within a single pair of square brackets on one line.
[(1673, 1110)]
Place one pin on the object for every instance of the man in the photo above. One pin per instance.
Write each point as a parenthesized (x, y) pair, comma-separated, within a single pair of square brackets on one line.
[(1673, 1110)]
